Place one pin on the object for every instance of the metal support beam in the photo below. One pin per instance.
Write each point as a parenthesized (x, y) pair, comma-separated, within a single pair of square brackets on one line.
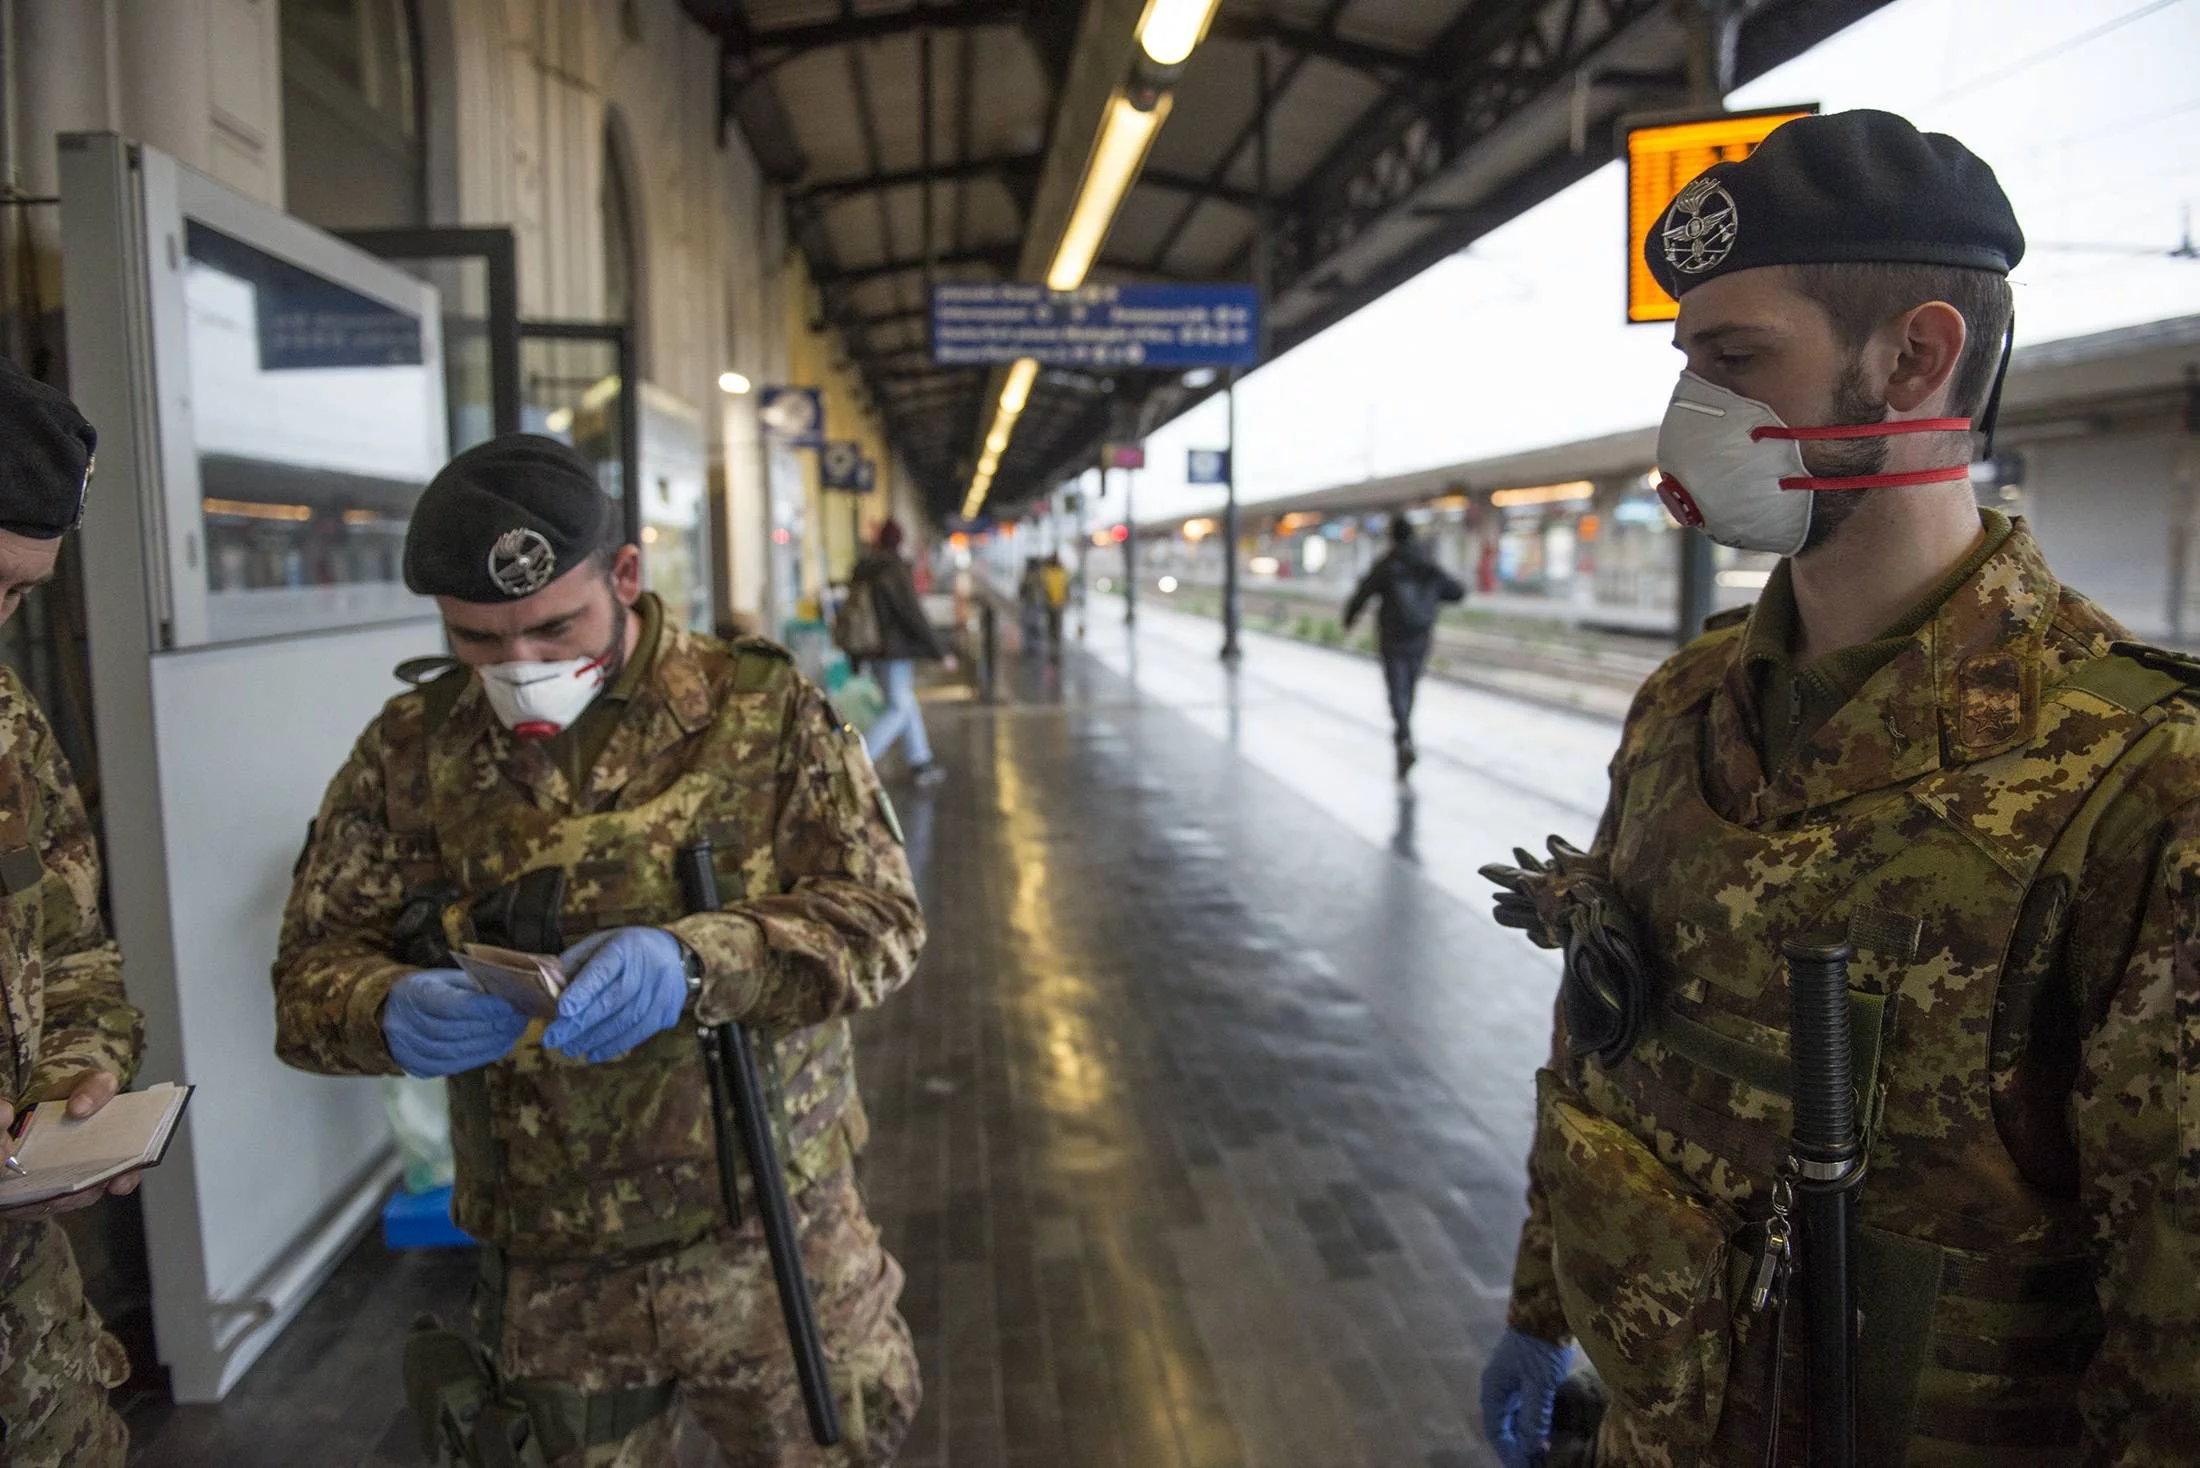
[(1001, 258), (1321, 41), (777, 46), (830, 191), (1184, 183)]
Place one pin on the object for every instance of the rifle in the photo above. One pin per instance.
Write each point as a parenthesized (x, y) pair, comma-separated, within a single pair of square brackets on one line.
[(737, 1108), (1828, 1162)]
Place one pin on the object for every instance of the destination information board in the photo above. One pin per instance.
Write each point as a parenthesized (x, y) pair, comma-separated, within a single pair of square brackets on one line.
[(985, 324)]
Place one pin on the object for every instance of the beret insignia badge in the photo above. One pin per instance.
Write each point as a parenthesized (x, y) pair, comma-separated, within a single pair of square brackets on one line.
[(521, 562), (1699, 227)]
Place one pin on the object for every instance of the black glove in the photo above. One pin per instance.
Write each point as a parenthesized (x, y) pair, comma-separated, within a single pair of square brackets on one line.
[(524, 913), (417, 936), (1533, 893), (1606, 993), (1569, 902)]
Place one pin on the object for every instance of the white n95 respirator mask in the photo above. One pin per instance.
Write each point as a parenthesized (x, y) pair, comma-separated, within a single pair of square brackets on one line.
[(1729, 467), (538, 700)]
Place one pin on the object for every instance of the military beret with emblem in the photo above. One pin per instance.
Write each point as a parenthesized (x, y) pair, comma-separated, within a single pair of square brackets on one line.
[(505, 519), (45, 457), (1859, 186)]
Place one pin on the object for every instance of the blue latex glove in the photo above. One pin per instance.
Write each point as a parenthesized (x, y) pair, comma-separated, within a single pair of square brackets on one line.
[(1519, 1388), (621, 987), (438, 1023)]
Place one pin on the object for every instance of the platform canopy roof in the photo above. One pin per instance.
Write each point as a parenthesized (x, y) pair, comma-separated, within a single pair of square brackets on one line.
[(946, 141)]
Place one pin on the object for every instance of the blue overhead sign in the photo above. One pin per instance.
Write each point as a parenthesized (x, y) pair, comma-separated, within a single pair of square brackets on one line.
[(793, 415), (1207, 466), (990, 324)]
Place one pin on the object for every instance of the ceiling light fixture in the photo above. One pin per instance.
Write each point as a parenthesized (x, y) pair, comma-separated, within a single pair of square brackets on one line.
[(1170, 29), (733, 384), (1168, 32), (1125, 135)]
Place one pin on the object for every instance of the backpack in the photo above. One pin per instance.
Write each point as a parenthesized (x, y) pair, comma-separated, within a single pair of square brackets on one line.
[(858, 630)]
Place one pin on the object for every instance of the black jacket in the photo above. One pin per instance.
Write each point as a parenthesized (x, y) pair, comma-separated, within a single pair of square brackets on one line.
[(904, 630), (1412, 589)]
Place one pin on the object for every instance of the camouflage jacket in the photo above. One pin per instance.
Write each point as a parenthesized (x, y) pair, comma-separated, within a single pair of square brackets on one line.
[(2005, 822), (60, 974), (558, 1159)]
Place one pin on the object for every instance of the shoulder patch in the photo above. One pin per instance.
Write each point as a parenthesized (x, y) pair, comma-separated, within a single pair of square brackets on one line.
[(2181, 666), (764, 646), (758, 666)]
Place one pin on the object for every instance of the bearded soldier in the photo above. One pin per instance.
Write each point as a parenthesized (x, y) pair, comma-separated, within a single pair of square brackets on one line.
[(535, 795), (73, 1037), (1918, 742)]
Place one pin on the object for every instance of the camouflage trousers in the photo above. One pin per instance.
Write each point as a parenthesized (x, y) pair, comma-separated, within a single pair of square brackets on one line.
[(708, 1317), (56, 1360)]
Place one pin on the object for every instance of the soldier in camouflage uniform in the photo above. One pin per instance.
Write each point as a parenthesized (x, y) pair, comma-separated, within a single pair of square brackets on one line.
[(1921, 742), (71, 1033), (583, 739)]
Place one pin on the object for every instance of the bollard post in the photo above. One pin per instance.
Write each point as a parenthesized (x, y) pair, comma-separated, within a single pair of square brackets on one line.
[(989, 647)]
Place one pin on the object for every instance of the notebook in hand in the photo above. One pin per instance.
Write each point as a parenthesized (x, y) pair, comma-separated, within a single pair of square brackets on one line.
[(529, 982), (64, 1154)]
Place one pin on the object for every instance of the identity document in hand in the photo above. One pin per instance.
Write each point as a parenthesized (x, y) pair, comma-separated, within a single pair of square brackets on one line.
[(63, 1154), (529, 982)]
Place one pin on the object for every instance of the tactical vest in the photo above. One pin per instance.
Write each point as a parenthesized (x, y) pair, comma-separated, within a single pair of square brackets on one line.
[(557, 1159), (1975, 1299)]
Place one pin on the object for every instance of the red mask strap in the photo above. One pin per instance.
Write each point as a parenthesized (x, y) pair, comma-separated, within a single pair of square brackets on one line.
[(1865, 430), (1879, 481)]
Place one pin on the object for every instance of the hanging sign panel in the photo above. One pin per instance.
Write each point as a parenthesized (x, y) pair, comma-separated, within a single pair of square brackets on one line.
[(793, 415), (992, 323), (1663, 158), (1207, 466), (840, 465)]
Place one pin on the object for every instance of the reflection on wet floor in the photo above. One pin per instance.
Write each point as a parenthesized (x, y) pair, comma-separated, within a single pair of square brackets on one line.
[(1201, 1136), (1200, 1131)]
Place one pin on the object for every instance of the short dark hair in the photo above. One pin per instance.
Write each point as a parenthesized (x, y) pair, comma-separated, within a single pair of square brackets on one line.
[(1401, 529), (1861, 297)]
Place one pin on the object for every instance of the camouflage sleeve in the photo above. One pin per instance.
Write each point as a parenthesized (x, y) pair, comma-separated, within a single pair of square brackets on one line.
[(1535, 1309), (332, 969), (2136, 1118), (845, 930), (90, 1023)]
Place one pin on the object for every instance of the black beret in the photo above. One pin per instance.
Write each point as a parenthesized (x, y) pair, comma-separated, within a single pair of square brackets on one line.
[(506, 518), (1852, 186), (45, 457)]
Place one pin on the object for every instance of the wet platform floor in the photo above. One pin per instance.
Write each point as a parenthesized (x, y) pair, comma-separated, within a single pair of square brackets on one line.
[(1200, 1130)]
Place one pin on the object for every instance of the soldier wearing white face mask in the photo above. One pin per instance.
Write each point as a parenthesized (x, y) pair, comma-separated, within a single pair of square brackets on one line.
[(1921, 743)]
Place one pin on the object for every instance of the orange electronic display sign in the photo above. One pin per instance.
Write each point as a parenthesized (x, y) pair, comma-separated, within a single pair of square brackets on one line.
[(1662, 158)]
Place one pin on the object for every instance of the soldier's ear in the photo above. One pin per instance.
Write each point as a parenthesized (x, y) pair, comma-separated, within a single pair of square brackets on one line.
[(625, 574), (1928, 347)]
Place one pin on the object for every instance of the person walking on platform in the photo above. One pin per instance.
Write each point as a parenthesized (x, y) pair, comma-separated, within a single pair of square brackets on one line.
[(76, 1038), (1923, 746), (1031, 604), (905, 638), (1054, 592), (1412, 589), (535, 794)]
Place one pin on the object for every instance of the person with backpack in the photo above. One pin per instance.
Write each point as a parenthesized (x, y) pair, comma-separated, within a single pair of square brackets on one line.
[(883, 623), (1054, 594), (1412, 589)]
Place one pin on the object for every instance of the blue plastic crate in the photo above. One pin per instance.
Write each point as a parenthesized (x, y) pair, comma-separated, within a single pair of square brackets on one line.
[(421, 1221)]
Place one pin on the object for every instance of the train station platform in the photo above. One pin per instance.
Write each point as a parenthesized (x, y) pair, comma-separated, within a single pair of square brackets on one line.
[(1200, 1131)]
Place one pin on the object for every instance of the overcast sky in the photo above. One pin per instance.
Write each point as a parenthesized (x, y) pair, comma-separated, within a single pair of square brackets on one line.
[(2088, 110)]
